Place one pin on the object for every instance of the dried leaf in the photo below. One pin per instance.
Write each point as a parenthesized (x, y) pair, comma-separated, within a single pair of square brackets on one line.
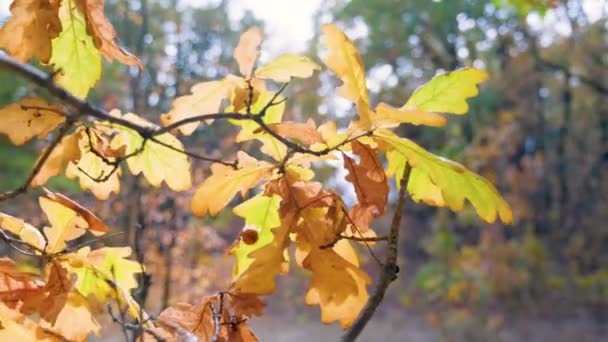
[(370, 184), (96, 226), (104, 36), (29, 31)]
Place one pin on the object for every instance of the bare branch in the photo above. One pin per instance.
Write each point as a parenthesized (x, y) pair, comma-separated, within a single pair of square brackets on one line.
[(63, 130)]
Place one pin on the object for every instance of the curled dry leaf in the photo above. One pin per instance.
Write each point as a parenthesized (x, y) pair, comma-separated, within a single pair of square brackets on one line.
[(104, 36), (29, 31)]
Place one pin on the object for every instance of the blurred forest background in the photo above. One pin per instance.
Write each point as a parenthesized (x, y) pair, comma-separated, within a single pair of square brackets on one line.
[(538, 130)]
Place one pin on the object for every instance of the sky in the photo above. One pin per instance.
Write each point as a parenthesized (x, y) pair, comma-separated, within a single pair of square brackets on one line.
[(289, 23)]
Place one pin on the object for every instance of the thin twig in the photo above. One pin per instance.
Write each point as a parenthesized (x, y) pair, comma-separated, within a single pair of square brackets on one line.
[(390, 269), (63, 130)]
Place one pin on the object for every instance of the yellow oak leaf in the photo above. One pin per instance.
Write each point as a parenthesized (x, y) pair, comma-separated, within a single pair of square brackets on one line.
[(68, 221), (66, 151), (92, 171), (95, 225), (28, 32), (225, 182), (104, 36), (206, 98), (74, 54), (75, 321), (268, 261), (286, 66), (388, 116), (260, 213), (25, 231), (29, 118), (455, 181), (247, 51), (17, 327), (447, 92), (158, 161), (346, 62), (338, 286), (106, 273)]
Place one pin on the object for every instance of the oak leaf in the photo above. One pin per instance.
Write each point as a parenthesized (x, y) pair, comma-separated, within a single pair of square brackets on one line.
[(261, 213), (286, 66), (66, 151), (247, 51), (346, 62), (94, 172), (29, 118), (454, 181), (225, 182), (74, 55), (30, 29), (371, 186), (206, 98), (268, 262), (25, 231), (337, 286), (75, 321), (158, 161), (96, 226), (447, 92), (305, 133), (15, 285), (103, 33)]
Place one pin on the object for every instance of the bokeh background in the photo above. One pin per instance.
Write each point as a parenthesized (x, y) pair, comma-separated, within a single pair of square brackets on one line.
[(538, 130)]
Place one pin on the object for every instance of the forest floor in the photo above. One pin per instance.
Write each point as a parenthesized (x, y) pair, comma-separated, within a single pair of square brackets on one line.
[(399, 327)]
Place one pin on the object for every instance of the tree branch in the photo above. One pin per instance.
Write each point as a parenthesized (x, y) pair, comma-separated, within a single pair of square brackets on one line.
[(390, 269), (40, 162)]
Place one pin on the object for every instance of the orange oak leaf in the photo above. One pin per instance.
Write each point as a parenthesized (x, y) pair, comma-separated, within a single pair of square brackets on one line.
[(50, 300), (16, 285), (102, 31), (195, 319), (247, 51), (29, 31), (337, 286), (246, 305), (66, 151), (305, 133), (28, 118), (370, 184)]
